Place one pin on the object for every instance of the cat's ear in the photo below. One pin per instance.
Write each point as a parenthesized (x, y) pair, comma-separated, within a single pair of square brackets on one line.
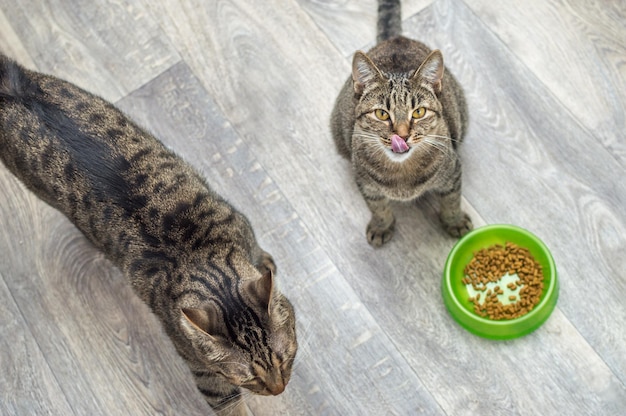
[(431, 70), (205, 319), (364, 72), (260, 290)]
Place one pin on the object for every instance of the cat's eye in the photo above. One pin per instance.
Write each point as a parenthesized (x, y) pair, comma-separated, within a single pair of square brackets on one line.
[(382, 115), (419, 113)]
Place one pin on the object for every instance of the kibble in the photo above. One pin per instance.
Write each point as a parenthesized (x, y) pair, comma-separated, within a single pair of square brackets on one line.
[(489, 265)]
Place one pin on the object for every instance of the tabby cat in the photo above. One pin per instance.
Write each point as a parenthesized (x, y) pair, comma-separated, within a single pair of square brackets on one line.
[(400, 118), (188, 254)]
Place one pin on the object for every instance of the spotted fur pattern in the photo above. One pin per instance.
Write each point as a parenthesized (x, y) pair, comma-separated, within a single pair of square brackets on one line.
[(400, 119), (188, 254)]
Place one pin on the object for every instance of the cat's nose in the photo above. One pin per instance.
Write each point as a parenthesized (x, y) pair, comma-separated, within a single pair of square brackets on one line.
[(402, 130), (276, 389)]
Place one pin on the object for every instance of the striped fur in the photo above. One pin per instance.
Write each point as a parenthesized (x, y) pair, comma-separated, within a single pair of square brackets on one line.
[(188, 254), (403, 156), (389, 22)]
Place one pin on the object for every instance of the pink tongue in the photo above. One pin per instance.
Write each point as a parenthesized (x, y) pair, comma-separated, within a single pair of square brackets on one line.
[(398, 145)]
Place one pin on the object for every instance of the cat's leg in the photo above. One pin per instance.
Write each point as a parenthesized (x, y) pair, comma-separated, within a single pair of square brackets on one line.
[(456, 222), (224, 398), (383, 223)]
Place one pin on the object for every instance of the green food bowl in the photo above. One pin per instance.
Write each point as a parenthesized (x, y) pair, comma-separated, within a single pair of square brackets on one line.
[(456, 295)]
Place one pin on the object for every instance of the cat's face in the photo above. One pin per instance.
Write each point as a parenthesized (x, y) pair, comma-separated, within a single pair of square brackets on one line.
[(260, 357), (251, 344), (399, 116)]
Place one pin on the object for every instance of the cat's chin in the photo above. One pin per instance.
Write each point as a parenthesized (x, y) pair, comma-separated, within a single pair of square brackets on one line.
[(398, 157)]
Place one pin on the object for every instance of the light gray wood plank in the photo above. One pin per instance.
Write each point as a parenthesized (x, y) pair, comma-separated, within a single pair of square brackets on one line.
[(329, 313), (577, 49), (11, 45), (351, 24), (109, 47), (30, 387)]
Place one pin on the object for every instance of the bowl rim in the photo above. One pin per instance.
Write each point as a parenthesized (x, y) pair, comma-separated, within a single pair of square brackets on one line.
[(493, 329)]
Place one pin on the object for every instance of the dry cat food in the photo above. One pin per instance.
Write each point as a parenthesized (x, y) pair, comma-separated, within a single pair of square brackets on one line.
[(496, 269)]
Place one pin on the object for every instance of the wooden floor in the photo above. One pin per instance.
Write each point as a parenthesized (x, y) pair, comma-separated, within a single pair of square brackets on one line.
[(243, 90)]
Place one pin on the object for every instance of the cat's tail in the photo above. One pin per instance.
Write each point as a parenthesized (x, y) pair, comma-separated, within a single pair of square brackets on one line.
[(389, 23)]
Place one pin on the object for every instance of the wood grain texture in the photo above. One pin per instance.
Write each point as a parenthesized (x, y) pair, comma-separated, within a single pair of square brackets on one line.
[(11, 45), (578, 50), (98, 45), (30, 386), (244, 92), (351, 24)]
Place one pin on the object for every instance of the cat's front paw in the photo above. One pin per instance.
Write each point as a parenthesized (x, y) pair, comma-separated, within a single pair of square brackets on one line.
[(378, 234), (460, 227)]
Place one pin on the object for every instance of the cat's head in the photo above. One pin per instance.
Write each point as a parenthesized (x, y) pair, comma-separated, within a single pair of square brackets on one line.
[(400, 115), (248, 337)]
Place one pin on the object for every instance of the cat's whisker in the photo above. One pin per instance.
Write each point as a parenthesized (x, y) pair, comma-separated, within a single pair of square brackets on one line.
[(432, 144), (375, 147), (303, 346), (440, 137), (370, 139), (437, 136), (364, 132), (436, 144), (235, 402), (367, 136)]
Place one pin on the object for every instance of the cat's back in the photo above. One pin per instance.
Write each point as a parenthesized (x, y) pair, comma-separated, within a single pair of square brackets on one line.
[(63, 142), (43, 107), (398, 55), (128, 193)]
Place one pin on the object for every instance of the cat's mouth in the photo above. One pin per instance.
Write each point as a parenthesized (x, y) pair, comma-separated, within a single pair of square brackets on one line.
[(398, 144)]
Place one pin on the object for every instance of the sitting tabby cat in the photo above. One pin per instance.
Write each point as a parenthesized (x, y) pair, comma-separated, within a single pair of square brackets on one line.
[(400, 119), (187, 253)]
